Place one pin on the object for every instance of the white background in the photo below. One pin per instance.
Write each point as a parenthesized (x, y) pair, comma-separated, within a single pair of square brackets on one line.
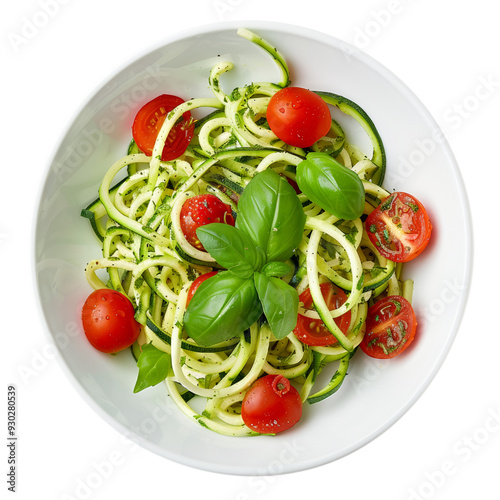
[(447, 446)]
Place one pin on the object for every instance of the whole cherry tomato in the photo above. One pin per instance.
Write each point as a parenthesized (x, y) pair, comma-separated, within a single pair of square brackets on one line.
[(271, 405), (298, 116), (108, 321)]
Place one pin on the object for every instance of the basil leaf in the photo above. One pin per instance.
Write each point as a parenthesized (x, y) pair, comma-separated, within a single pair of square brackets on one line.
[(270, 212), (154, 367), (231, 248), (335, 188), (280, 302), (223, 306), (277, 269)]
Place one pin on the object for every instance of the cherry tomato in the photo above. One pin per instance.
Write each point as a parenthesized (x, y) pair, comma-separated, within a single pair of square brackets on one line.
[(196, 284), (149, 120), (108, 321), (399, 227), (298, 116), (271, 405), (390, 327), (293, 184), (200, 210), (313, 331)]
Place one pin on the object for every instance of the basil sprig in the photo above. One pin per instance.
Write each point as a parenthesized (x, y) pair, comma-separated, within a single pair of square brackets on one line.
[(222, 307), (334, 187), (269, 228), (231, 248)]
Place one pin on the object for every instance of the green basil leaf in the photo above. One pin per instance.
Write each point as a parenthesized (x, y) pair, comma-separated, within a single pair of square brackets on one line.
[(277, 269), (335, 188), (154, 367), (231, 248), (280, 302), (223, 306), (270, 212)]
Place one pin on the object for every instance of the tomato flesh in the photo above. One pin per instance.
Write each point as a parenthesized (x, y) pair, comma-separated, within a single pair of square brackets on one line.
[(271, 405), (314, 332), (108, 321), (200, 210), (390, 327), (399, 227), (149, 120), (298, 116), (196, 284)]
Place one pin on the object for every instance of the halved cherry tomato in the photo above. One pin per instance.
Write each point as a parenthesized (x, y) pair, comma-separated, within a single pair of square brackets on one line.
[(149, 120), (399, 227), (196, 283), (200, 210), (298, 116), (271, 405), (108, 321), (390, 327), (313, 331)]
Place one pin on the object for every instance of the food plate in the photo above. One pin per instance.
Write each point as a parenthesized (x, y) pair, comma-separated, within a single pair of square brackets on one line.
[(376, 393)]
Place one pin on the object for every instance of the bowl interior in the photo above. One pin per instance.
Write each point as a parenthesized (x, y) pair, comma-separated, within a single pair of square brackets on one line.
[(376, 393)]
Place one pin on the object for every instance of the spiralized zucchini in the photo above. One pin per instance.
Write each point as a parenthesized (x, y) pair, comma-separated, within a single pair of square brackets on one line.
[(148, 258)]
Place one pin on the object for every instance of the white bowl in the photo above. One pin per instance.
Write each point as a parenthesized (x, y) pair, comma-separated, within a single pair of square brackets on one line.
[(376, 393)]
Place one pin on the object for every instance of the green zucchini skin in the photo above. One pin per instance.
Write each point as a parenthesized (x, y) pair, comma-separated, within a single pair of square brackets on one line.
[(357, 112), (336, 381), (96, 210), (189, 346)]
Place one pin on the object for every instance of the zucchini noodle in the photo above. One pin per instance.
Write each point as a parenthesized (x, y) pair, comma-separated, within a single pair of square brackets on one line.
[(148, 258)]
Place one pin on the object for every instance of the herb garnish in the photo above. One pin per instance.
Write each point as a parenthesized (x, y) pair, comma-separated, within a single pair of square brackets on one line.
[(268, 230)]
